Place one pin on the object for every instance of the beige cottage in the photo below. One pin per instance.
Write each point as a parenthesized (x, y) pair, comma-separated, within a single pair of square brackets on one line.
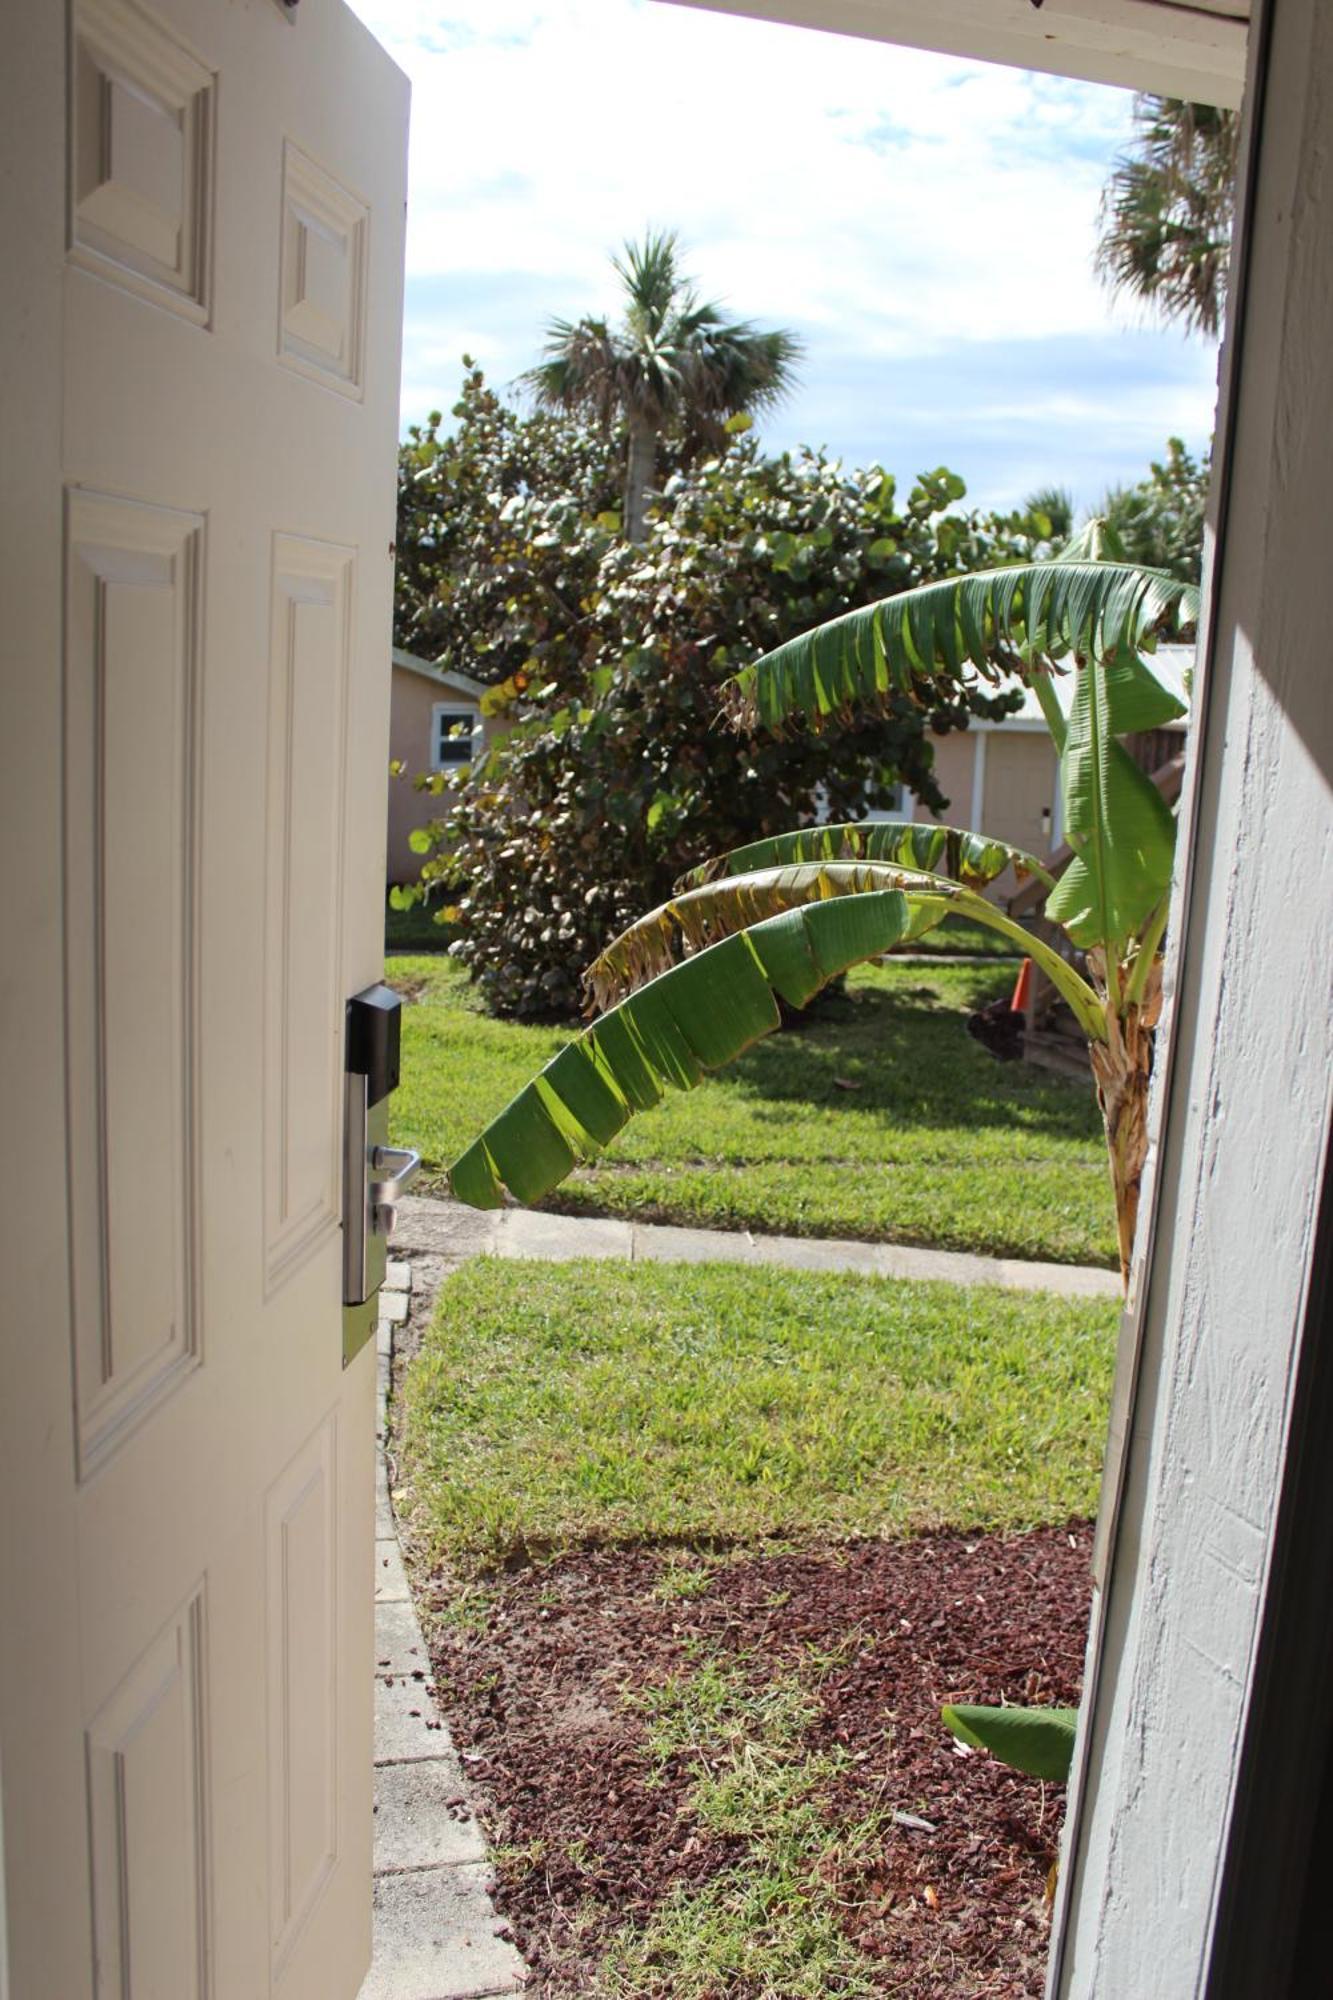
[(436, 726)]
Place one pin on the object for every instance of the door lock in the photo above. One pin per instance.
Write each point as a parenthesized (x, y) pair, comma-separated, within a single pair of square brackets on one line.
[(398, 1165), (374, 1172)]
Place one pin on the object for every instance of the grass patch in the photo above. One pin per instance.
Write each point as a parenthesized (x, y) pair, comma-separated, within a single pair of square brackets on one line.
[(553, 1405), (771, 1924), (960, 935), (879, 1118), (712, 1712), (416, 930)]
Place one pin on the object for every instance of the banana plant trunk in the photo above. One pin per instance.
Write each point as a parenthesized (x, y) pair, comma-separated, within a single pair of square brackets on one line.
[(1122, 1068)]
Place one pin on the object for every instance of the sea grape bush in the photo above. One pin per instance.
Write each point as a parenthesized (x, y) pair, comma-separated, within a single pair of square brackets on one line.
[(607, 660)]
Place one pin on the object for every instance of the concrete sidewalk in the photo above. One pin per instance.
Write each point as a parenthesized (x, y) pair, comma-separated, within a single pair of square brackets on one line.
[(448, 1228), (437, 1936)]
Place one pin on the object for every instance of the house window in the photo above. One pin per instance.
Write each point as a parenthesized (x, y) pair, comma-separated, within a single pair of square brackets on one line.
[(453, 734)]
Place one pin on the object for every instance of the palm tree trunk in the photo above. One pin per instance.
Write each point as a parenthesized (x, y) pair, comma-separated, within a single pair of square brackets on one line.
[(1121, 1068), (640, 475)]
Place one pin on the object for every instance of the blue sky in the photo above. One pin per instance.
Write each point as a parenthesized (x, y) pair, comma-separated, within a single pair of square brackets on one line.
[(925, 225)]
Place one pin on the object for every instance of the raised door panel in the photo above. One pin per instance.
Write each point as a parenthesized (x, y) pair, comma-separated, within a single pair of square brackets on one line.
[(321, 328), (142, 120), (312, 589), (302, 1563), (148, 1823), (132, 672)]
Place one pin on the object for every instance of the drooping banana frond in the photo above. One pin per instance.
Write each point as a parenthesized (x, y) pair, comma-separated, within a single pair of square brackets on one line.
[(700, 917), (969, 858), (997, 621), (695, 1018), (692, 1019)]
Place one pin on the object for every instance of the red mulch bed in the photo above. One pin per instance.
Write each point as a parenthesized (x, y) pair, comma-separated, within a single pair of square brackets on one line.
[(534, 1703)]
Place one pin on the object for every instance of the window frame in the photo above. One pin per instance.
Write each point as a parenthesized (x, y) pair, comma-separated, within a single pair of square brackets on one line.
[(453, 712)]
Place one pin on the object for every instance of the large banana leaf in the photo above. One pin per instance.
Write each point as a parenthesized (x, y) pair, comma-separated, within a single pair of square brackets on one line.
[(1116, 820), (700, 917), (695, 1018), (996, 620), (965, 857)]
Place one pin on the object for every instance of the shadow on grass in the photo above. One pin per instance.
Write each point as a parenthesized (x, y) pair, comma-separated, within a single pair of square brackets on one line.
[(909, 1055)]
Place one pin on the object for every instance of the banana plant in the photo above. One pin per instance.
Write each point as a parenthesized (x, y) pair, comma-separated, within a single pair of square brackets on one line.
[(689, 986), (694, 982)]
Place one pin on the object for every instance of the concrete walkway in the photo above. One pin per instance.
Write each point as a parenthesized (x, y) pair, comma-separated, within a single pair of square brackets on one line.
[(449, 1229), (437, 1936)]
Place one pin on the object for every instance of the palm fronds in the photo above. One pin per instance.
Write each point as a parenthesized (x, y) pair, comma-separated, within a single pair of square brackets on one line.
[(1167, 211)]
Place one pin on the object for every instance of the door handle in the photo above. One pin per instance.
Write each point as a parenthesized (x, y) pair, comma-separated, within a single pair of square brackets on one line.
[(402, 1166)]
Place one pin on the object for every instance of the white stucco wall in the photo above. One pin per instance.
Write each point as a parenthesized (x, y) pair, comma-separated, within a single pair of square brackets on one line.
[(1247, 1103)]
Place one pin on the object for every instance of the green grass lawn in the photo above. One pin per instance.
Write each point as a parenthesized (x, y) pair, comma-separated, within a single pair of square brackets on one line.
[(415, 929), (880, 1118), (555, 1405)]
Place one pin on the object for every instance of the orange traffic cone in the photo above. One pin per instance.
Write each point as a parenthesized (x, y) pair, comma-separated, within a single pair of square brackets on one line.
[(1022, 999)]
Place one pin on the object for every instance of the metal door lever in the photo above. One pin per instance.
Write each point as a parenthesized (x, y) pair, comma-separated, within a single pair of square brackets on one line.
[(404, 1165)]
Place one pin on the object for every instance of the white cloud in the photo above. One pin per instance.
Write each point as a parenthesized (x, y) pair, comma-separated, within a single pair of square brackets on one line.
[(882, 200)]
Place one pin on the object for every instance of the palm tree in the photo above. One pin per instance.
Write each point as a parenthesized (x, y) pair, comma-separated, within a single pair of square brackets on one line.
[(673, 367), (1168, 207), (693, 983)]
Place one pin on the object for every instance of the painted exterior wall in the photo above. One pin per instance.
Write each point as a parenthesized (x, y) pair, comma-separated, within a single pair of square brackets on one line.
[(1020, 784), (1004, 779), (997, 782), (1227, 1227), (414, 700), (954, 758)]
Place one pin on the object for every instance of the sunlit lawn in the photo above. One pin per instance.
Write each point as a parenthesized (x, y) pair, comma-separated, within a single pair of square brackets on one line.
[(880, 1119), (556, 1405)]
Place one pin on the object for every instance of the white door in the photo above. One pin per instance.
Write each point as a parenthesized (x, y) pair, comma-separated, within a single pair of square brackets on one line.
[(200, 277)]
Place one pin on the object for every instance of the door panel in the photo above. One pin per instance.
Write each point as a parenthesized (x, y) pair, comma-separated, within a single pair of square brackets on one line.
[(141, 156), (199, 769), (148, 1815), (1022, 780), (301, 1537), (307, 743), (131, 692), (323, 284)]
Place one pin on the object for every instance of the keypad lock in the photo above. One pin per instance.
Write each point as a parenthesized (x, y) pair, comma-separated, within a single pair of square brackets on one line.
[(374, 1172)]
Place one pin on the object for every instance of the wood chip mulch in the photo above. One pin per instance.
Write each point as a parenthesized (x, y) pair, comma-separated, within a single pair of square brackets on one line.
[(534, 1695)]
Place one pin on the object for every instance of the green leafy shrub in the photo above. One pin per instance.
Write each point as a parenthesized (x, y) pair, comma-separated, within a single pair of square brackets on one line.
[(608, 660)]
